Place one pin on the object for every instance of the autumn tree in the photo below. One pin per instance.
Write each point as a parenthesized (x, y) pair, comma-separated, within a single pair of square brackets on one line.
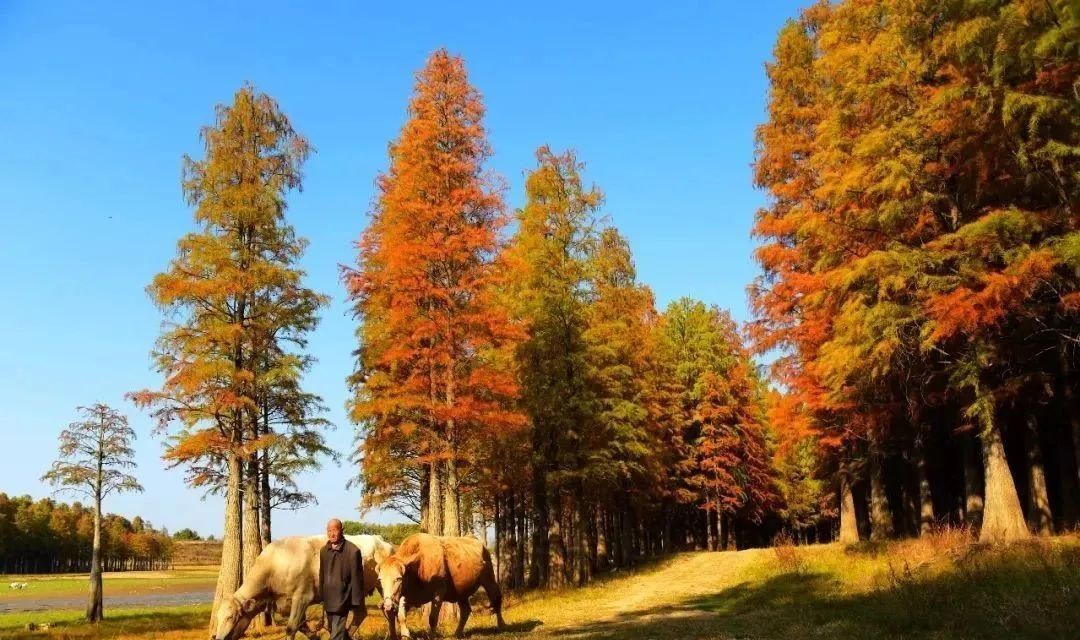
[(622, 444), (237, 311), (94, 454), (549, 260), (915, 253), (432, 382), (714, 424)]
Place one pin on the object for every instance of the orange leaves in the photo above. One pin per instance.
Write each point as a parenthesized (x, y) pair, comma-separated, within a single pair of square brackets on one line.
[(968, 310), (197, 444), (921, 214), (236, 301), (432, 333)]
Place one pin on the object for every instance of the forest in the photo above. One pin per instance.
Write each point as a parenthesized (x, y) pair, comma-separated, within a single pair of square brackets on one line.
[(46, 536), (916, 313)]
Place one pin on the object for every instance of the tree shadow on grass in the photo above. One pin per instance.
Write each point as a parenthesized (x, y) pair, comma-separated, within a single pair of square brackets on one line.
[(520, 626), (1002, 600)]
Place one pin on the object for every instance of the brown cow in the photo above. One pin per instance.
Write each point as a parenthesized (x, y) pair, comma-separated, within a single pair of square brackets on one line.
[(437, 569)]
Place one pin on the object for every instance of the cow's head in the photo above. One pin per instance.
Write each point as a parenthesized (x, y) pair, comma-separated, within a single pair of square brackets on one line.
[(391, 576), (233, 617)]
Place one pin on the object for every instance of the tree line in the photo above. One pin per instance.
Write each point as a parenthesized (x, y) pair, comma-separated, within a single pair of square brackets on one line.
[(525, 381), (45, 536), (921, 259), (512, 373), (392, 533)]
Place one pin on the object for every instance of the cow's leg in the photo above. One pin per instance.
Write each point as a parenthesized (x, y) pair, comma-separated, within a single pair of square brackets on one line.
[(401, 619), (465, 609), (298, 615), (391, 626), (494, 593), (433, 617)]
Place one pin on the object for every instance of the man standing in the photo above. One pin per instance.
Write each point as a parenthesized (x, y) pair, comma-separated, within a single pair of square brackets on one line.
[(341, 581)]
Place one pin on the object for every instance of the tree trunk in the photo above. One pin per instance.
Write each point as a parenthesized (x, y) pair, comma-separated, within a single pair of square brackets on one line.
[(714, 529), (1069, 399), (1042, 522), (601, 540), (451, 500), (1070, 490), (849, 524), (520, 521), (1068, 439), (926, 501), (881, 524), (1003, 519), (252, 533), (592, 532), (264, 486), (584, 562), (557, 576), (435, 499), (425, 501), (973, 494), (250, 527), (229, 575), (627, 535), (538, 572), (94, 606), (503, 545), (452, 493)]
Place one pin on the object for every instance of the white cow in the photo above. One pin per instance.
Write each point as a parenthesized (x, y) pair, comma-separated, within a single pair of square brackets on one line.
[(287, 573)]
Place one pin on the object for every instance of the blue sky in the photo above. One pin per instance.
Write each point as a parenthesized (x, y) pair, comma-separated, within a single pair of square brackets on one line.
[(101, 100)]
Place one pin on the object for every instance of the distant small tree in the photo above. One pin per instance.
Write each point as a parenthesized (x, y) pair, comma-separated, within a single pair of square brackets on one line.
[(186, 534), (93, 453)]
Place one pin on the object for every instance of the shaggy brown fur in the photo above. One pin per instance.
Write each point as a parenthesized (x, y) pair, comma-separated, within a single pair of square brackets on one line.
[(437, 569)]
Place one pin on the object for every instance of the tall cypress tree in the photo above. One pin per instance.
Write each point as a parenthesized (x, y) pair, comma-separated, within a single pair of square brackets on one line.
[(431, 383), (234, 300)]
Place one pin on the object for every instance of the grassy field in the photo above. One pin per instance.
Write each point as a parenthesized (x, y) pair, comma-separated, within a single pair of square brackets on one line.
[(130, 582), (939, 588)]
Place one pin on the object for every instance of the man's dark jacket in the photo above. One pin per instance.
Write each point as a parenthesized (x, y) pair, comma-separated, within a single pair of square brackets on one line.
[(341, 577)]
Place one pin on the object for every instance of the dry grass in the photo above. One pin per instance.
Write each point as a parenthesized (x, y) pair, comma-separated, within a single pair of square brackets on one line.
[(788, 557)]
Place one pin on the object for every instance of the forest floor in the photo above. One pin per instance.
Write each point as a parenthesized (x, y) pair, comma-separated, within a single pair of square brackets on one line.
[(940, 587)]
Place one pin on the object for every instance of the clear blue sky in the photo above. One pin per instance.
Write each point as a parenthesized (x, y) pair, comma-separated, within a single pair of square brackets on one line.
[(102, 99)]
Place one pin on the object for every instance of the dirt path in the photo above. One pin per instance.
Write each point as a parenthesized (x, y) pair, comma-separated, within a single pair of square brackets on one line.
[(685, 577), (660, 592)]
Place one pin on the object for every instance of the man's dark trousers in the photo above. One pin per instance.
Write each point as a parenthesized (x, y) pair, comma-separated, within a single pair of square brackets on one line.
[(336, 623)]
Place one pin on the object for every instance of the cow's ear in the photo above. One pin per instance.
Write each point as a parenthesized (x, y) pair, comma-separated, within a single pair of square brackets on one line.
[(250, 606)]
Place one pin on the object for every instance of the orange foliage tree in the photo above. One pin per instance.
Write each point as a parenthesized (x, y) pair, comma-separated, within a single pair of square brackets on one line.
[(236, 305), (917, 243), (432, 383)]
